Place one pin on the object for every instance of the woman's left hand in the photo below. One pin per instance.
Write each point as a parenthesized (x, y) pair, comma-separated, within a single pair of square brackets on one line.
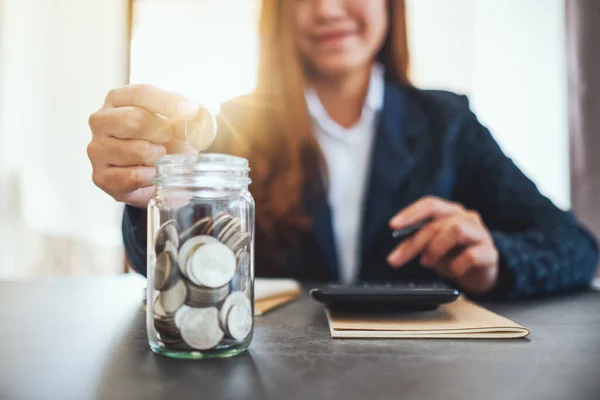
[(456, 243)]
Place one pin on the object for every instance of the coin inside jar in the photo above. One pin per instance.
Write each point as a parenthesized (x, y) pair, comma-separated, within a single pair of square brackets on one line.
[(219, 224), (239, 241), (231, 229), (200, 328), (212, 265), (200, 296), (158, 309), (243, 267), (173, 298), (188, 247), (179, 314), (167, 326), (167, 339), (197, 228), (162, 270), (239, 321), (235, 298), (168, 232), (166, 272)]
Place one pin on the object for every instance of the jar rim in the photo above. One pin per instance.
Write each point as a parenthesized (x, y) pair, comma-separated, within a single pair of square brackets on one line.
[(205, 169), (205, 158)]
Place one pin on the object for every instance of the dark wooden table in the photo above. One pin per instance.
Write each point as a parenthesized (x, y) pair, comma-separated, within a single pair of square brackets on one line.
[(86, 339)]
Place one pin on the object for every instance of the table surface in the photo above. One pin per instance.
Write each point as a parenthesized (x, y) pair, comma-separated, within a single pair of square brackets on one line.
[(85, 338)]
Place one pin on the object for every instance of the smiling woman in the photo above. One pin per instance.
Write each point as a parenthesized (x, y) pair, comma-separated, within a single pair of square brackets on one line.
[(348, 44), (343, 147)]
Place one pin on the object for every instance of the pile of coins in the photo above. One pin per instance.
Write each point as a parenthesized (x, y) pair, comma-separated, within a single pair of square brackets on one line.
[(201, 275)]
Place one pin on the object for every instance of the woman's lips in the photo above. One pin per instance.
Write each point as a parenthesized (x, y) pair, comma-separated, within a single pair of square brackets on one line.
[(332, 38)]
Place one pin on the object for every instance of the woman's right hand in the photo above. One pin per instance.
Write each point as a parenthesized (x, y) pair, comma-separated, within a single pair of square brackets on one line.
[(137, 125)]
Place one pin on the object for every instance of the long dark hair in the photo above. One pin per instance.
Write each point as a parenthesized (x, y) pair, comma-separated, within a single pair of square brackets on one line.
[(277, 137)]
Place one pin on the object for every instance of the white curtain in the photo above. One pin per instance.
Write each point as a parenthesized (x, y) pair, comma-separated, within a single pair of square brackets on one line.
[(58, 59), (207, 49), (509, 57)]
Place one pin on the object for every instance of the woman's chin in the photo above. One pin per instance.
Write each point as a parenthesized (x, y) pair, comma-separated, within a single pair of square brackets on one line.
[(339, 64)]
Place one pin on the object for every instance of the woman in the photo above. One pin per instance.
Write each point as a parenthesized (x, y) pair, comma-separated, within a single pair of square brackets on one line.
[(343, 149)]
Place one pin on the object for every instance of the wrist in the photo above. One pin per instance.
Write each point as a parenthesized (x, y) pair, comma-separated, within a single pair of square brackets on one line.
[(480, 281)]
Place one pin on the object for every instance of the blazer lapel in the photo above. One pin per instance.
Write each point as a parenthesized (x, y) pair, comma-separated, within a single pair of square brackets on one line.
[(401, 139)]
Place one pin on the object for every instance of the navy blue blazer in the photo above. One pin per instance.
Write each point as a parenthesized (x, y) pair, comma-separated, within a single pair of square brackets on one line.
[(430, 143)]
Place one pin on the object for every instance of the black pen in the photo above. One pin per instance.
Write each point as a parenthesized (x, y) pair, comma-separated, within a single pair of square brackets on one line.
[(410, 229)]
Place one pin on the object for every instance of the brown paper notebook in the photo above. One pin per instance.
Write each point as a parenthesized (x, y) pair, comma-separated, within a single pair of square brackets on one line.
[(272, 293), (460, 319), (263, 306)]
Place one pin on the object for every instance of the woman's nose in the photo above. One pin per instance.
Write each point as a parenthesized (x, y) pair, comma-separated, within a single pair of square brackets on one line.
[(329, 9)]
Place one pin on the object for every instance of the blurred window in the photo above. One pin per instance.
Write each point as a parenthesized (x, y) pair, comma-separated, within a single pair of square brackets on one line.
[(205, 49)]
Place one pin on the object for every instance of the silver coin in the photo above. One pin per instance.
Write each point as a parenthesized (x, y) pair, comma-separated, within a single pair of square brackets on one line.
[(238, 253), (243, 270), (219, 224), (167, 326), (171, 248), (173, 298), (212, 265), (200, 132), (158, 309), (207, 292), (188, 247), (162, 270), (168, 232), (230, 230), (233, 239), (179, 315), (239, 242), (220, 219), (239, 321), (174, 275), (200, 328), (199, 296), (235, 298), (196, 229), (167, 339), (208, 229)]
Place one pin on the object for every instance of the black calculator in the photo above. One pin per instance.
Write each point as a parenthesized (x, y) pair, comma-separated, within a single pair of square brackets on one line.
[(385, 297)]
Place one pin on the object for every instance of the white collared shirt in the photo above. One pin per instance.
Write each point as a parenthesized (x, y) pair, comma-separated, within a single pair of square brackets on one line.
[(347, 153)]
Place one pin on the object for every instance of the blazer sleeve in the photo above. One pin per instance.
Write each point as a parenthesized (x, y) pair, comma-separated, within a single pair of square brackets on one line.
[(134, 237), (542, 248)]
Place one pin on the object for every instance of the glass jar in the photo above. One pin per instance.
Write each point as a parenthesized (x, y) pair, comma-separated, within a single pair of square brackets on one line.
[(200, 257)]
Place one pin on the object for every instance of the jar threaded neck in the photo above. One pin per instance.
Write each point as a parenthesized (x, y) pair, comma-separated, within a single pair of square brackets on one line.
[(206, 170)]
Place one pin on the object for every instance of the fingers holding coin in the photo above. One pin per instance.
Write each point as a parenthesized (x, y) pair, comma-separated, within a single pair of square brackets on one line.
[(154, 99), (131, 122), (136, 126), (187, 121), (112, 152)]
